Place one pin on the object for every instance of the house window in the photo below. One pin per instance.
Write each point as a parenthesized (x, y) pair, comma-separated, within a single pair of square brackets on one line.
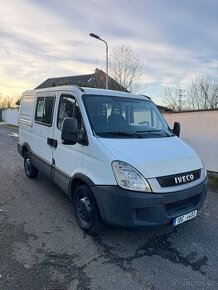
[(44, 110)]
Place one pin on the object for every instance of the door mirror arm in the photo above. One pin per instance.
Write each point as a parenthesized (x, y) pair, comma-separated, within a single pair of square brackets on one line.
[(70, 134)]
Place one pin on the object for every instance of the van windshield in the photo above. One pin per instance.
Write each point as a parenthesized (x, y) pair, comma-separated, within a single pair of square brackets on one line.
[(121, 117)]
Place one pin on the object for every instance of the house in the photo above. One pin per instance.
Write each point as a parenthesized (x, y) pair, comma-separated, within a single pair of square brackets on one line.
[(95, 80)]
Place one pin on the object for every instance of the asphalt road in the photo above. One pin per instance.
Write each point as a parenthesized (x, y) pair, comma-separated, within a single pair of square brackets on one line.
[(41, 246)]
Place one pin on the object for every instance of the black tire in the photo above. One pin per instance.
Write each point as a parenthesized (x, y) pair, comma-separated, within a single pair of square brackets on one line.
[(30, 170), (86, 210)]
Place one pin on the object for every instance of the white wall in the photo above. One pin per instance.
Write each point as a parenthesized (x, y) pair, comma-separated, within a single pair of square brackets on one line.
[(200, 130), (10, 116)]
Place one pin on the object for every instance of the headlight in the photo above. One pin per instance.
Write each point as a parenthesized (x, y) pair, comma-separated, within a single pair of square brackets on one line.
[(128, 177)]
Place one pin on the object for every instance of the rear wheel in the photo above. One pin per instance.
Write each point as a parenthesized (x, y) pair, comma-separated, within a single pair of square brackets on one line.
[(30, 170), (86, 210)]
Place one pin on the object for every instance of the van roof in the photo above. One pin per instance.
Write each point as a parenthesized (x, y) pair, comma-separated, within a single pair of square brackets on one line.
[(86, 90)]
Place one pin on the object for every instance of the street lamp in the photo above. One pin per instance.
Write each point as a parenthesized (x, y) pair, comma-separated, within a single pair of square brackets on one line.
[(99, 38)]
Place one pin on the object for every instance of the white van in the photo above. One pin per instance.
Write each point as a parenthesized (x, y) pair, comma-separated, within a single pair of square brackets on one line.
[(114, 154)]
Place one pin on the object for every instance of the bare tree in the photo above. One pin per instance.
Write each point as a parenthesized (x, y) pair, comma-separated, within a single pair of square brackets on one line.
[(125, 67), (201, 93), (7, 102), (174, 99)]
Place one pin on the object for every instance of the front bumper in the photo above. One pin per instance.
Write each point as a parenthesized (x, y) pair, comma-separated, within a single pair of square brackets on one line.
[(132, 209)]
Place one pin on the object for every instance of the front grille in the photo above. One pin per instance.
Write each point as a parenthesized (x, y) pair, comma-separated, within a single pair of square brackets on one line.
[(191, 201), (178, 179)]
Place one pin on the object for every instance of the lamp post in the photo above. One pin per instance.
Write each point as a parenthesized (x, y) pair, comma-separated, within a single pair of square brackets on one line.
[(99, 38)]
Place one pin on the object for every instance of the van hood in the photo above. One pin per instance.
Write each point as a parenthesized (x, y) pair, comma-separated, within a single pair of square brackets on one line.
[(154, 157)]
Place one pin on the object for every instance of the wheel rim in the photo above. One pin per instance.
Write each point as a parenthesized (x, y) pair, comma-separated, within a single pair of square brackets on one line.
[(85, 210), (27, 166)]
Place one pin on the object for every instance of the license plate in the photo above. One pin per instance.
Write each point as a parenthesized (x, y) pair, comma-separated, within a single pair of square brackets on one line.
[(183, 218)]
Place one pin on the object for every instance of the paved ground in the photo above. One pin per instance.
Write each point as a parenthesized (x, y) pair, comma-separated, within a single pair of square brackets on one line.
[(41, 246)]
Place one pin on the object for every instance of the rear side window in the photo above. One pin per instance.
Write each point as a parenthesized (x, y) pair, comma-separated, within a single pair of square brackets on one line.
[(44, 110)]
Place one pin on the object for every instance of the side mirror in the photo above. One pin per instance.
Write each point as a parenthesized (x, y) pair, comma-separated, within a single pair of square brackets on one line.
[(176, 128), (70, 134)]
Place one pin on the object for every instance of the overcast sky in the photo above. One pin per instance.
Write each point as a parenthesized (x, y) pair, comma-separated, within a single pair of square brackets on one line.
[(175, 40)]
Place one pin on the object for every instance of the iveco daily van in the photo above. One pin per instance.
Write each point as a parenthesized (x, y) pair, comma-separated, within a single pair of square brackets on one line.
[(114, 154)]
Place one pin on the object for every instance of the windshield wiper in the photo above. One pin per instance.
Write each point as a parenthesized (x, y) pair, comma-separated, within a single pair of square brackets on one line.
[(155, 131), (122, 133)]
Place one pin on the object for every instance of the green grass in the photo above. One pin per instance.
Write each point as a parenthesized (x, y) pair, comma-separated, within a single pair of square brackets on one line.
[(15, 128), (213, 183)]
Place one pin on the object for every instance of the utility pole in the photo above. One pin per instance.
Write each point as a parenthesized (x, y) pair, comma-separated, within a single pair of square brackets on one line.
[(180, 93)]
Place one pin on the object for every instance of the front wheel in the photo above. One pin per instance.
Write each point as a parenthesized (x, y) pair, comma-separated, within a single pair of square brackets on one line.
[(30, 170), (86, 210)]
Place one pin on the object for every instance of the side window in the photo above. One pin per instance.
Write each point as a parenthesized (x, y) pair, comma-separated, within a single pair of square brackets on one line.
[(68, 107), (44, 110)]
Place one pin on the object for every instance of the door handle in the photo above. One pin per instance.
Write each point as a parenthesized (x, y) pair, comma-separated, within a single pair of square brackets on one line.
[(52, 142), (55, 143)]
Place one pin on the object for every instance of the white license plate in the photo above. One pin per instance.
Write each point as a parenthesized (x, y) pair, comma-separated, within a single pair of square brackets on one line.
[(183, 218)]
